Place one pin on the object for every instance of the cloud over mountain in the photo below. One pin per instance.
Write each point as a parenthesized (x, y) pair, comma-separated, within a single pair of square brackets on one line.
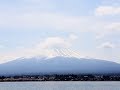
[(106, 45)]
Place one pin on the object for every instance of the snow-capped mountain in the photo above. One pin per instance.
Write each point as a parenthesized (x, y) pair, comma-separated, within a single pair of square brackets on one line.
[(59, 61)]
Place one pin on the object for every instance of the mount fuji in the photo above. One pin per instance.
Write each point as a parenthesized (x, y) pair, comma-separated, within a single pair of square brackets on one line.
[(59, 61)]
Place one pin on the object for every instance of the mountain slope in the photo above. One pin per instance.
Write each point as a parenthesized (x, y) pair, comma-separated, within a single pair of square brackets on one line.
[(58, 65)]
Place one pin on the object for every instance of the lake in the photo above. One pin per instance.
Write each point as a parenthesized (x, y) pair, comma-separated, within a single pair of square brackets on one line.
[(60, 85)]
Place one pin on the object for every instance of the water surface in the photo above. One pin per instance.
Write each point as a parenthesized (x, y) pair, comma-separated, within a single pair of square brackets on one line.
[(59, 85)]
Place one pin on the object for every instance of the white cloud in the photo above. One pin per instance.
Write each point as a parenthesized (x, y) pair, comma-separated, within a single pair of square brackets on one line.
[(35, 20), (113, 27), (106, 45), (107, 10), (38, 20), (55, 21), (55, 42), (33, 15), (108, 28)]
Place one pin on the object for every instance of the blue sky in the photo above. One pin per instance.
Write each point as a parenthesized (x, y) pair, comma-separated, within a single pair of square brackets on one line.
[(91, 27)]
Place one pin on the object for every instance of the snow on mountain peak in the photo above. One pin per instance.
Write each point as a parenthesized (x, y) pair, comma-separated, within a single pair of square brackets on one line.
[(61, 53)]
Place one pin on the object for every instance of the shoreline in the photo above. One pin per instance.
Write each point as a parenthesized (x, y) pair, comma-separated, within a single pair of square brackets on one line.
[(69, 77)]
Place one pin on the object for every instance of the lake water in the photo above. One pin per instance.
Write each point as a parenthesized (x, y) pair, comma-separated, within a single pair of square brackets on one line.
[(59, 85)]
